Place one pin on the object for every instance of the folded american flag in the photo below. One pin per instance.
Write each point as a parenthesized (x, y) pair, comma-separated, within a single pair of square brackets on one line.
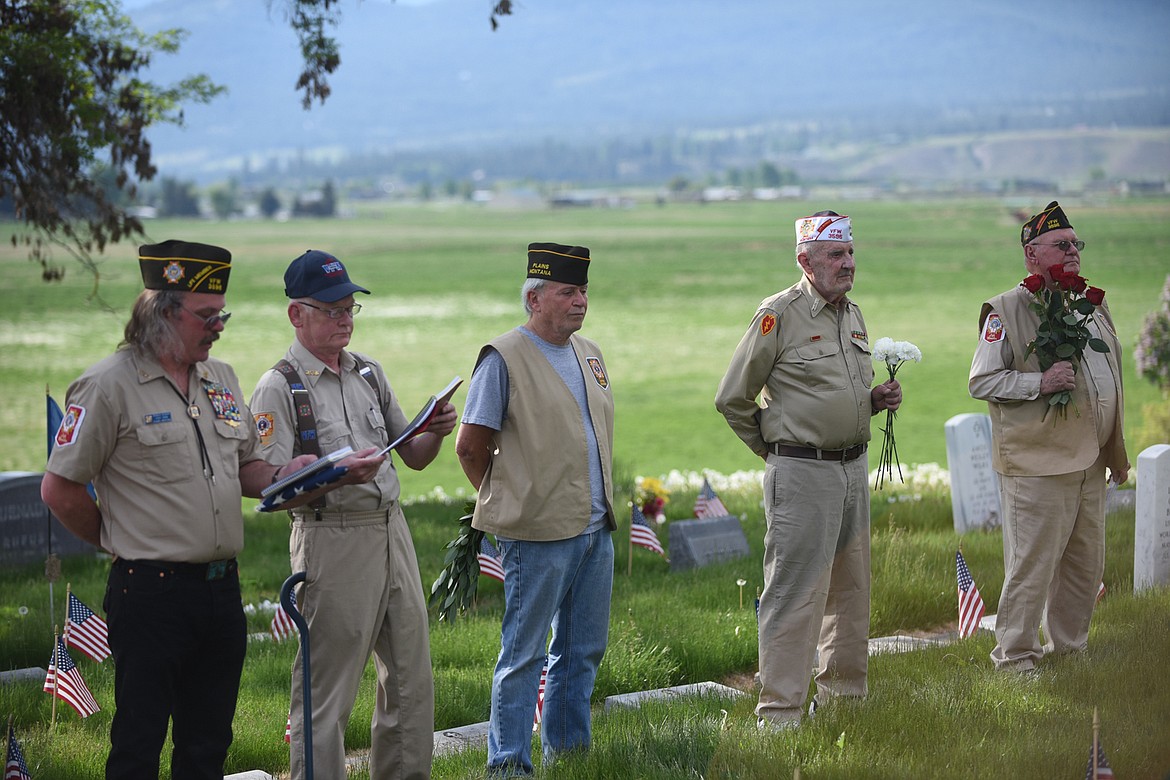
[(326, 477)]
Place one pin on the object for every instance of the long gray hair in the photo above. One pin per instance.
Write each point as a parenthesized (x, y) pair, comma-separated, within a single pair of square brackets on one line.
[(150, 330)]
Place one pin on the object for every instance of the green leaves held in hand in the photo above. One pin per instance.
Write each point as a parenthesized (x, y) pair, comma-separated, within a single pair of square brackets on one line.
[(454, 589)]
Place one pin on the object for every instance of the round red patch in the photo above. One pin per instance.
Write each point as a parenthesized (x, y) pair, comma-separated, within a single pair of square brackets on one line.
[(767, 324)]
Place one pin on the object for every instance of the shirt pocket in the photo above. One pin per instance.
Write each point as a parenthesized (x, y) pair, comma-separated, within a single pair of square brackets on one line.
[(231, 440), (864, 357), (822, 365), (377, 423), (165, 454)]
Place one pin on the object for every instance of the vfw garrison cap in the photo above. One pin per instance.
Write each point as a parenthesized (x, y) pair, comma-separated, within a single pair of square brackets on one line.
[(823, 226), (1051, 218), (185, 266), (558, 263)]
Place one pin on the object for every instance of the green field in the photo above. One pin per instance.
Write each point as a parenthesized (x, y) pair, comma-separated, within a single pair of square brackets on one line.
[(672, 290)]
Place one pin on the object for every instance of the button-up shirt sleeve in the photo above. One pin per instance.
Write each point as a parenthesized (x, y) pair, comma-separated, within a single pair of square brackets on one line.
[(993, 377), (750, 366)]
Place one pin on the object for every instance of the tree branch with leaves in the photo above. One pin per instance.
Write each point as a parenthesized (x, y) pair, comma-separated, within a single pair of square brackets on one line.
[(72, 102)]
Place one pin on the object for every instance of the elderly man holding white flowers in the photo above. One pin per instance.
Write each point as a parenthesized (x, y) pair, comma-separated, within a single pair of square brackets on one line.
[(806, 356)]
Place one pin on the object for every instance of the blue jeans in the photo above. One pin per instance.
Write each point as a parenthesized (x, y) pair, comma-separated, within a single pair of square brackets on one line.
[(566, 585)]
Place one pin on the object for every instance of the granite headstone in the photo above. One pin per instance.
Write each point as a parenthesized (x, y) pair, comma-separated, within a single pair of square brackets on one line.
[(28, 533), (974, 484), (1151, 544), (697, 543)]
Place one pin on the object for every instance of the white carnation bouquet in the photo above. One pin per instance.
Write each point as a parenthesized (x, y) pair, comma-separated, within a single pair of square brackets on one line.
[(893, 354)]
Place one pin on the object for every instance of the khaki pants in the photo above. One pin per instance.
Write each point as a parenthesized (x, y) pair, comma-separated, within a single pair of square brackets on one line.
[(363, 594), (1054, 555), (816, 583)]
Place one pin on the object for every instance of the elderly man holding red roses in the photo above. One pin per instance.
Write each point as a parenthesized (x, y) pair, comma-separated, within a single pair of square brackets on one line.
[(1051, 466)]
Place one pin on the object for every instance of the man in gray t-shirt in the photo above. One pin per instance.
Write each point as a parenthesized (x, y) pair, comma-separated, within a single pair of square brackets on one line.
[(536, 442)]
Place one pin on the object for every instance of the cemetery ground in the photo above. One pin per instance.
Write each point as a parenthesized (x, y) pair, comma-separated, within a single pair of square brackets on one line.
[(672, 290), (936, 712)]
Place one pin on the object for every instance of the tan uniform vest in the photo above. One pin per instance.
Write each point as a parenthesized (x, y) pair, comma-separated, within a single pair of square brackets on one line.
[(537, 483), (1027, 443)]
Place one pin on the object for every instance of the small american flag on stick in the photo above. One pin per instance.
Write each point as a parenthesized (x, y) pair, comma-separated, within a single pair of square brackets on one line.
[(970, 602)]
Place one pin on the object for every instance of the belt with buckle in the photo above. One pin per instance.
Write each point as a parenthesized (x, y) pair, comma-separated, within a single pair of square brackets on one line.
[(212, 570), (364, 515), (812, 453)]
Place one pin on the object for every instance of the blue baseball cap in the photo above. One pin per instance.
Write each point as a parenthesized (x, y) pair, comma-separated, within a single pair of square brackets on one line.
[(319, 275)]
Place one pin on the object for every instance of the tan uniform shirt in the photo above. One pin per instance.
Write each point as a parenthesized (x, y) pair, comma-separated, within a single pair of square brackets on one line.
[(1028, 440), (811, 366), (128, 430), (347, 414)]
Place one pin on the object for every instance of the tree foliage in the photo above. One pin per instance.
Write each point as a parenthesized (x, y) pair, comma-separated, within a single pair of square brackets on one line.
[(313, 22), (72, 103)]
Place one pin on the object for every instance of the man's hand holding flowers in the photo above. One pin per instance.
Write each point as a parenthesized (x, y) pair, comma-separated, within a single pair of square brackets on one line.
[(1065, 303), (886, 397)]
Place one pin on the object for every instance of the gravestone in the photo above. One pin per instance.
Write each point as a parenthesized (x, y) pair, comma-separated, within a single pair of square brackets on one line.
[(28, 533), (974, 484), (697, 543), (1151, 543)]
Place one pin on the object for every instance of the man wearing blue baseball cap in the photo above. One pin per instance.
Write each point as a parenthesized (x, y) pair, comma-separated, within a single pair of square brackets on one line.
[(161, 429), (363, 590)]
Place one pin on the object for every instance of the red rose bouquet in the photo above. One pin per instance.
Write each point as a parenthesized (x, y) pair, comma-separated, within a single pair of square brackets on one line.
[(1063, 333)]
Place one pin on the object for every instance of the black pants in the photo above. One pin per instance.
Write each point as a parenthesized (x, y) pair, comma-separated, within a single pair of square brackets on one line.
[(178, 641)]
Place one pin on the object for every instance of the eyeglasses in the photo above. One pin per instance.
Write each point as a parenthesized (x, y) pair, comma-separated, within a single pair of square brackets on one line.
[(1064, 246), (336, 312), (210, 322)]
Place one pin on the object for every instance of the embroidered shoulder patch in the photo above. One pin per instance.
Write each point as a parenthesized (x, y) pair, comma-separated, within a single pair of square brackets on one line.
[(993, 329), (265, 424), (70, 425), (598, 371), (767, 324)]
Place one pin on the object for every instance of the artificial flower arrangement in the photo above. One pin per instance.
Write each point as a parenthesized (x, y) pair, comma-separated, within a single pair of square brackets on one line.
[(893, 354), (1063, 333), (652, 497)]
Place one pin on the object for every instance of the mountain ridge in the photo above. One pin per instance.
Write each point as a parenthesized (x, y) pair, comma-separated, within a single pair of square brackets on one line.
[(433, 75)]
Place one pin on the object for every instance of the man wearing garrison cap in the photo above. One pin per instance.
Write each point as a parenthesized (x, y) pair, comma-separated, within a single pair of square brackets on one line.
[(536, 441), (807, 355), (1051, 469), (161, 429)]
